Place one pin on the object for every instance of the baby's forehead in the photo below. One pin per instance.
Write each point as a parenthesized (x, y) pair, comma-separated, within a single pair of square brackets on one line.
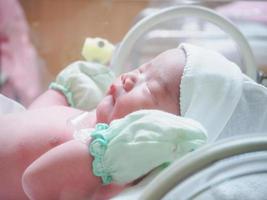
[(167, 66), (156, 70), (152, 71)]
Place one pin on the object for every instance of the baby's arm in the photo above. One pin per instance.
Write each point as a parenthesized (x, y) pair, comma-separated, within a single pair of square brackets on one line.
[(81, 85), (49, 98), (149, 137), (65, 173)]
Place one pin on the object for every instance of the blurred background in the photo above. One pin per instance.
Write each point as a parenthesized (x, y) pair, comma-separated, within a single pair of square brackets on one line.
[(39, 38)]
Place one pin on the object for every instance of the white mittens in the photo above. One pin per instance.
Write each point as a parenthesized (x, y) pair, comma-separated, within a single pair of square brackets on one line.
[(143, 140), (84, 84)]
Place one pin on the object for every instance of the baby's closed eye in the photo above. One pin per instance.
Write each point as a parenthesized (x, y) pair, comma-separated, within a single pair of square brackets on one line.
[(153, 90)]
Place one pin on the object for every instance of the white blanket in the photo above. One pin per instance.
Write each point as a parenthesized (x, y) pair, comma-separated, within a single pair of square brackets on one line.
[(8, 105)]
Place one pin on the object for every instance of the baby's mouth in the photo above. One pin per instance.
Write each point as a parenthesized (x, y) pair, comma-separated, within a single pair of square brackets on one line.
[(112, 92), (113, 99)]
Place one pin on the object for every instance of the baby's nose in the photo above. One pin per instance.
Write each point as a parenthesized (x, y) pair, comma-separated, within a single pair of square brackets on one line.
[(128, 81), (128, 84)]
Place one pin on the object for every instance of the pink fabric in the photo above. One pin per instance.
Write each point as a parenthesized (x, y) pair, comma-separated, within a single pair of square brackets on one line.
[(254, 11), (18, 58)]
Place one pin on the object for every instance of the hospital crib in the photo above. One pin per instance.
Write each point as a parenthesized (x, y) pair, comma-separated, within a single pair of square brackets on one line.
[(230, 169), (233, 168), (145, 27)]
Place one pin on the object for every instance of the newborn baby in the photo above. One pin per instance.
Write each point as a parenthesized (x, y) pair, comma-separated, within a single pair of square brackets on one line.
[(154, 85), (39, 150)]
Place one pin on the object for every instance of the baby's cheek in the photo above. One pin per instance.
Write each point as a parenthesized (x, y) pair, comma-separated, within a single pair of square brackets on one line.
[(103, 110)]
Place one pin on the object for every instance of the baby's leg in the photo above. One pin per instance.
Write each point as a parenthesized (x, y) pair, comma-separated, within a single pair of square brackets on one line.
[(65, 173), (23, 138)]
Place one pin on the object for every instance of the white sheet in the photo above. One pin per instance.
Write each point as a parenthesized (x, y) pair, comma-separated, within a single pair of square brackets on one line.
[(8, 105)]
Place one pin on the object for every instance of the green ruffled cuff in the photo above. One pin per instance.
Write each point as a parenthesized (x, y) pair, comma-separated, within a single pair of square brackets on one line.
[(67, 93), (97, 149), (151, 138)]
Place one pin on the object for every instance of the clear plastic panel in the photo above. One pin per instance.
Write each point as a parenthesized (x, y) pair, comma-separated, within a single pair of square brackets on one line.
[(167, 35)]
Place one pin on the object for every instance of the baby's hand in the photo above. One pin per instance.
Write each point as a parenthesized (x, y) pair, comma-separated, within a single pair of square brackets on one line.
[(138, 143), (84, 84)]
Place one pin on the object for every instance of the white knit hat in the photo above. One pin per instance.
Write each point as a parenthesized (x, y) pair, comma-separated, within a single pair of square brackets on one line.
[(214, 92)]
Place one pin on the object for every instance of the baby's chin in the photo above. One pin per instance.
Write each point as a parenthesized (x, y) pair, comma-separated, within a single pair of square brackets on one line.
[(104, 110)]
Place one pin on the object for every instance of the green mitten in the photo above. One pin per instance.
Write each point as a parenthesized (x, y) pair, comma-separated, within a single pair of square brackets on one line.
[(84, 84), (143, 140)]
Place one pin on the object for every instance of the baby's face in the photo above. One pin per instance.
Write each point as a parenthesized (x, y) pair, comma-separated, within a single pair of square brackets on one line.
[(154, 85)]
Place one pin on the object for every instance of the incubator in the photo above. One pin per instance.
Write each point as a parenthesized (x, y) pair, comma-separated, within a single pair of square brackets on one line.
[(232, 168), (201, 28)]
